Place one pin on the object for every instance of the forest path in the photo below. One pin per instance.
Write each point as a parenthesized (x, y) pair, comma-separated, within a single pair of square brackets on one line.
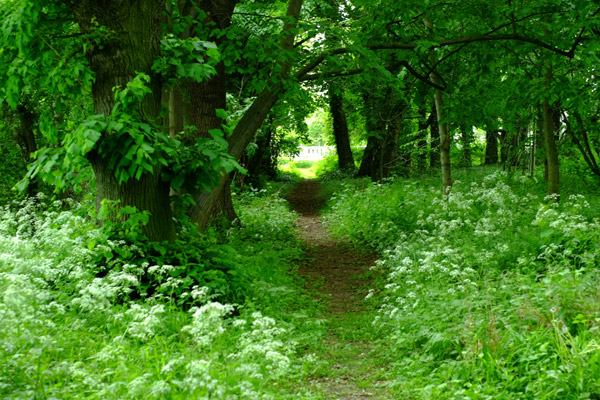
[(337, 271)]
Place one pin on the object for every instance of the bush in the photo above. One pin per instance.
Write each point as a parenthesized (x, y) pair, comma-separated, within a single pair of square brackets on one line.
[(77, 318)]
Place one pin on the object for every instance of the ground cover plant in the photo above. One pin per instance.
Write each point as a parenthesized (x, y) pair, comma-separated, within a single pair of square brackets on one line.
[(490, 293), (69, 329)]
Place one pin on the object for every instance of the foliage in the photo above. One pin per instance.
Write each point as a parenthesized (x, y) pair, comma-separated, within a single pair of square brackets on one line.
[(490, 292), (71, 328)]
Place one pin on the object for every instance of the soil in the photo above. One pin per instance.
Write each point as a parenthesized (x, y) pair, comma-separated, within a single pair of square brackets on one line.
[(338, 271)]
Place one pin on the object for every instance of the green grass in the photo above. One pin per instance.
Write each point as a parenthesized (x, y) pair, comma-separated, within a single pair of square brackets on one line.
[(490, 294), (302, 168)]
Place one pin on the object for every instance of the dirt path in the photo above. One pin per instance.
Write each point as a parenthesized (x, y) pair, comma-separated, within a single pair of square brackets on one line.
[(336, 269)]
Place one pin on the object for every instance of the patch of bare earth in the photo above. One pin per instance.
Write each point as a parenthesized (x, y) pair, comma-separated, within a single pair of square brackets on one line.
[(336, 270)]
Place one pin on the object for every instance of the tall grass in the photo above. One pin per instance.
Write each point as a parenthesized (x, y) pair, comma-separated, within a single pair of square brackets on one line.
[(491, 293)]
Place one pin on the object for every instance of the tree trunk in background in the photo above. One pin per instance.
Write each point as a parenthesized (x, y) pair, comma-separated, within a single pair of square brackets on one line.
[(261, 163), (370, 165), (466, 137), (444, 138), (251, 121), (24, 135), (203, 99), (504, 146), (491, 148), (372, 161), (25, 138), (132, 47), (434, 139), (551, 150), (424, 123), (340, 129)]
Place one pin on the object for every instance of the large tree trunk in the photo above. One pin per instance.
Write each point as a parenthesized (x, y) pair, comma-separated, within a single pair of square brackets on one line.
[(131, 47), (205, 97), (550, 125), (340, 130), (250, 122), (24, 135), (389, 152)]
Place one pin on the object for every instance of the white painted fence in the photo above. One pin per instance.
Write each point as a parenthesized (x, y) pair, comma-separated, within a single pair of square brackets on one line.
[(314, 153)]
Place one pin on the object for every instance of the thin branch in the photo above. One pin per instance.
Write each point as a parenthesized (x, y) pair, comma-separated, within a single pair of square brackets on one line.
[(267, 17), (332, 74), (72, 35), (422, 78), (62, 59), (496, 29), (302, 72)]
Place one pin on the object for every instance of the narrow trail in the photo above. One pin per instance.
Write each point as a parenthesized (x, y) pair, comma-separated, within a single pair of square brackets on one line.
[(337, 271)]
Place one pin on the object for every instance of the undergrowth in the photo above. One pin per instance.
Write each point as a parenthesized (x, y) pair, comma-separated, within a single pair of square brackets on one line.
[(491, 293), (86, 316)]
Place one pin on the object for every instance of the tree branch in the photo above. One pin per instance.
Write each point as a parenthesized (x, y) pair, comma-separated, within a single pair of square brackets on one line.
[(302, 72)]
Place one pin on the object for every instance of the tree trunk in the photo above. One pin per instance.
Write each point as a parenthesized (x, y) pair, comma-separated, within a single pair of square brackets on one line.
[(261, 163), (434, 139), (491, 147), (369, 164), (444, 138), (389, 152), (466, 136), (250, 122), (204, 98), (340, 130), (25, 138), (372, 161), (238, 141), (551, 150), (131, 47), (504, 147), (424, 123)]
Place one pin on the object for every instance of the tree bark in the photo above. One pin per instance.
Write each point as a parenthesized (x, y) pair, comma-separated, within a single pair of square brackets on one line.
[(369, 165), (424, 123), (131, 48), (444, 137), (434, 139), (551, 150), (491, 147), (202, 99), (372, 161), (466, 136), (340, 130), (262, 162), (250, 122), (24, 136)]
